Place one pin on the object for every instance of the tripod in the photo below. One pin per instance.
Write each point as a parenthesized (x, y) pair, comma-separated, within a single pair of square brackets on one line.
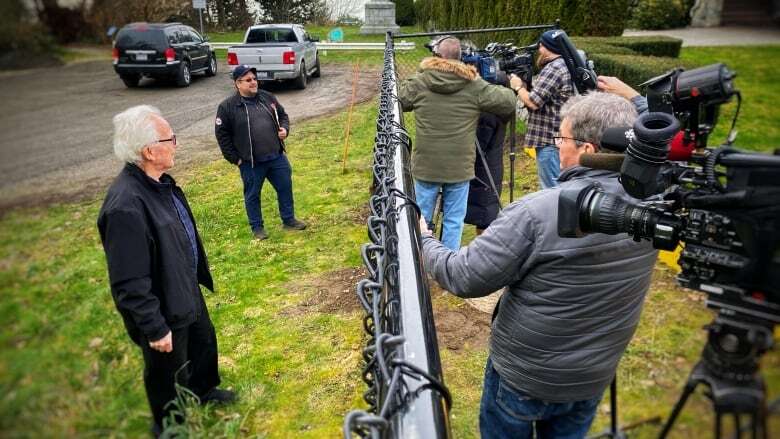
[(615, 431), (729, 368)]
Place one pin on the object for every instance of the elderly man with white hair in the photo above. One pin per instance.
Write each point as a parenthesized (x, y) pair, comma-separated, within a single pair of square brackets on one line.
[(571, 305), (156, 264)]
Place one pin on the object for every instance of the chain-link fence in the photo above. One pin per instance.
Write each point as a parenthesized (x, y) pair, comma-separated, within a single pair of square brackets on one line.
[(406, 394)]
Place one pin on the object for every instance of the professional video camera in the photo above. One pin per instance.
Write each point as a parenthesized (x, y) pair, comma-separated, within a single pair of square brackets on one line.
[(496, 61), (723, 204)]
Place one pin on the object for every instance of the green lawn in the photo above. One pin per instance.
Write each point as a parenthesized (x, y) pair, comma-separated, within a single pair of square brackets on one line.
[(67, 367)]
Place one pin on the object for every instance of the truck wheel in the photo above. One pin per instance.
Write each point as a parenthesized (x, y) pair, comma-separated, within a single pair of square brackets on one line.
[(301, 80), (131, 81), (184, 77), (316, 73), (212, 69)]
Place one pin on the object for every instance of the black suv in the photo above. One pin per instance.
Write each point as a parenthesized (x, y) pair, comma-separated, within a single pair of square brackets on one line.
[(161, 50)]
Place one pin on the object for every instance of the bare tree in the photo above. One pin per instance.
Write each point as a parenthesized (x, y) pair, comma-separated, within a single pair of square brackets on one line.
[(344, 8)]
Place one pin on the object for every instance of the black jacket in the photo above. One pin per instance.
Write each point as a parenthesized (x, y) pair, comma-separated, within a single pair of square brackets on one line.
[(483, 204), (149, 256), (232, 125)]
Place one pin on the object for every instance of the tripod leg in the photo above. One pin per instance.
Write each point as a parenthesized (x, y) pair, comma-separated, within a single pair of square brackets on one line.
[(718, 419), (512, 136), (613, 418), (690, 386), (737, 426)]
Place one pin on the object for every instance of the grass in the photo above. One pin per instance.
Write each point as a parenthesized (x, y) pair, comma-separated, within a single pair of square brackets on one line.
[(67, 367)]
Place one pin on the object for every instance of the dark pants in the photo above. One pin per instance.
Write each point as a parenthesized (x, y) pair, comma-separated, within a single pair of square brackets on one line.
[(279, 173), (196, 344), (507, 413)]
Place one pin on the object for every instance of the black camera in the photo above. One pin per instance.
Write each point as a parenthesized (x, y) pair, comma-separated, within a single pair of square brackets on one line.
[(694, 96), (722, 204), (497, 61)]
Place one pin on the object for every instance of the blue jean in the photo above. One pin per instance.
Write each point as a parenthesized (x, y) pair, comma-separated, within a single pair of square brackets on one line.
[(548, 166), (279, 173), (455, 199), (506, 413)]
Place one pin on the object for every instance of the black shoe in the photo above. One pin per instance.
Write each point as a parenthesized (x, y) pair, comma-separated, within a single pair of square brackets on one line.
[(294, 224), (218, 396), (260, 234)]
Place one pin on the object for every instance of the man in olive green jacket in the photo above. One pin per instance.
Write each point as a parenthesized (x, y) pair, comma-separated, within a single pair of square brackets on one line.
[(447, 97)]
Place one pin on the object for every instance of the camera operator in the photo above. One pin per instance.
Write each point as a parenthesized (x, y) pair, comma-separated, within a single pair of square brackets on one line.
[(571, 306), (447, 97), (552, 87)]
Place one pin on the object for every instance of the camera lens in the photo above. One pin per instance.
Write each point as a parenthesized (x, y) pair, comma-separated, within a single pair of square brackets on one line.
[(601, 212)]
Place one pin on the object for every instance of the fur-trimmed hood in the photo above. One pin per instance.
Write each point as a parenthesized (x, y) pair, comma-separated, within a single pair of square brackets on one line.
[(446, 76)]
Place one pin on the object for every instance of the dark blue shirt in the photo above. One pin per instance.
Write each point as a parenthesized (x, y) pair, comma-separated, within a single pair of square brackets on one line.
[(186, 221)]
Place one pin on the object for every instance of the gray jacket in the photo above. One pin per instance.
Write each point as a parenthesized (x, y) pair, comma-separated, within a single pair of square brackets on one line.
[(571, 306)]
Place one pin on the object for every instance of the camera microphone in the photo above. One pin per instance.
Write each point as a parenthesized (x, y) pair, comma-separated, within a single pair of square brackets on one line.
[(616, 139), (607, 162)]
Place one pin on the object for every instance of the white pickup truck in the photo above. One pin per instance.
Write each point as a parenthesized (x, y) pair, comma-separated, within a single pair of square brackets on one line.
[(278, 52)]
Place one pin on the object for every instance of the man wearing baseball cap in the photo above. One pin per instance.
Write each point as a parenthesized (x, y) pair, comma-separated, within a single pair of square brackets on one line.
[(251, 127), (551, 89)]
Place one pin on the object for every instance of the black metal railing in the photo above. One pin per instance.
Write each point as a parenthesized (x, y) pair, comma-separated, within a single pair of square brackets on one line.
[(406, 393)]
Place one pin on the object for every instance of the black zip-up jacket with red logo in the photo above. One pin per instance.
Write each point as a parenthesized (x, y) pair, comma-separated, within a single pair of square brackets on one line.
[(150, 260), (232, 126)]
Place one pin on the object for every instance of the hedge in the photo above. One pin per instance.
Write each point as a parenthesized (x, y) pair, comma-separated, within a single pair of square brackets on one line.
[(578, 17), (651, 46), (635, 69)]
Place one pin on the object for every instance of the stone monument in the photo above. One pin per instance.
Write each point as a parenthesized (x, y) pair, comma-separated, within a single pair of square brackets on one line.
[(380, 18), (706, 13)]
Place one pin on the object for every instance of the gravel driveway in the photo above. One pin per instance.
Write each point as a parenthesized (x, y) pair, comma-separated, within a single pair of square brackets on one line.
[(56, 123)]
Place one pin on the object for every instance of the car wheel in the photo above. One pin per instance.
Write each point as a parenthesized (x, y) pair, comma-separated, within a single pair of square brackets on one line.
[(316, 73), (301, 80), (184, 77), (212, 70), (131, 81)]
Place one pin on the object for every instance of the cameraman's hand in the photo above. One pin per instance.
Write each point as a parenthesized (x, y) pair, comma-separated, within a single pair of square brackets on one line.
[(515, 83), (611, 84), (424, 230)]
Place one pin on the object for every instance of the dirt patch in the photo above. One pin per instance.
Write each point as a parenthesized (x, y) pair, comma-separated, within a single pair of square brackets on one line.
[(358, 214), (458, 325), (330, 293)]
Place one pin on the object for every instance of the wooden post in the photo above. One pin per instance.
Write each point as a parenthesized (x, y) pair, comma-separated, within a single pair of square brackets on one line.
[(355, 76)]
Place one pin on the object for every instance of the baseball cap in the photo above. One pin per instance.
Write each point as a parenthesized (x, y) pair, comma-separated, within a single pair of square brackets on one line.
[(241, 70)]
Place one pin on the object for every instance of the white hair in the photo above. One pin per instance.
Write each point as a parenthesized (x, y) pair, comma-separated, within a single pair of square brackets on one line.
[(134, 128), (591, 114)]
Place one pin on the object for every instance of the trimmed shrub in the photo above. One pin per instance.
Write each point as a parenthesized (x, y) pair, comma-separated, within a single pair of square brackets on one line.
[(578, 17), (650, 46), (660, 14), (633, 69), (602, 48)]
